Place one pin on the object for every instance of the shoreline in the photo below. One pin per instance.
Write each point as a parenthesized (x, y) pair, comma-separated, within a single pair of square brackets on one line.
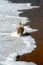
[(37, 55)]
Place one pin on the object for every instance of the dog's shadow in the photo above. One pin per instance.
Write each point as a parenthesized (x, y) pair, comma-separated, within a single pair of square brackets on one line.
[(25, 34)]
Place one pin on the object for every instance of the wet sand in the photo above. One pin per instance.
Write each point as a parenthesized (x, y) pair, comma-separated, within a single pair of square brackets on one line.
[(36, 21)]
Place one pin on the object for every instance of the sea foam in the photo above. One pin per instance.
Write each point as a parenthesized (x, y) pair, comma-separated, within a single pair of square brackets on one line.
[(12, 44)]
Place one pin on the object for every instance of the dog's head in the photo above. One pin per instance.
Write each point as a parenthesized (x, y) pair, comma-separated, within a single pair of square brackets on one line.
[(20, 30)]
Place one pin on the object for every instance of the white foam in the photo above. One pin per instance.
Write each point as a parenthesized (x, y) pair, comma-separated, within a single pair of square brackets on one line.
[(11, 44), (28, 29), (14, 34), (17, 63), (13, 19), (11, 60), (12, 9), (12, 57), (18, 6), (26, 46)]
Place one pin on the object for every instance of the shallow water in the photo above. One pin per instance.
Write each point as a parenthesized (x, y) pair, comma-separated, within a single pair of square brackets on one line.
[(10, 42)]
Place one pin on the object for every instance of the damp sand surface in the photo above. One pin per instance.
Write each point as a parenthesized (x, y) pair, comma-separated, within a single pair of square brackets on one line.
[(36, 22)]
